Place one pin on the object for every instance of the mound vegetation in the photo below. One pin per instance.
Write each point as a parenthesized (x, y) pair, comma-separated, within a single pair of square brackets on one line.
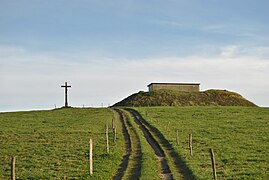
[(180, 98)]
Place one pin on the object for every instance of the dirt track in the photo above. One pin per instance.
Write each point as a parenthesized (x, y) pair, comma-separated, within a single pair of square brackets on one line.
[(178, 163), (132, 148), (156, 141), (128, 148), (166, 172)]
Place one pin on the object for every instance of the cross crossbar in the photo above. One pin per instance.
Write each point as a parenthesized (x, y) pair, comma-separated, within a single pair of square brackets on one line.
[(66, 88)]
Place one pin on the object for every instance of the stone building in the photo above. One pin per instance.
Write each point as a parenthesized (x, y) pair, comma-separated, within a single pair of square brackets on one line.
[(190, 87)]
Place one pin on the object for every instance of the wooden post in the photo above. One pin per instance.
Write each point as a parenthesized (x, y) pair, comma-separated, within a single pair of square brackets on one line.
[(213, 163), (190, 143), (13, 168), (90, 157), (177, 138), (107, 145)]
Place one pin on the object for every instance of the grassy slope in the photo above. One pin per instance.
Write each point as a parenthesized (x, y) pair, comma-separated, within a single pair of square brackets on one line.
[(54, 144), (179, 98), (239, 136)]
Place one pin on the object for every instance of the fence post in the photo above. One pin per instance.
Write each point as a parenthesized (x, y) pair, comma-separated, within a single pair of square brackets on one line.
[(13, 168), (213, 163), (190, 143), (90, 157), (177, 138), (107, 145)]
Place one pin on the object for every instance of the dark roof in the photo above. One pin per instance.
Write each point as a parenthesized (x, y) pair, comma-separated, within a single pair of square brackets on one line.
[(174, 84)]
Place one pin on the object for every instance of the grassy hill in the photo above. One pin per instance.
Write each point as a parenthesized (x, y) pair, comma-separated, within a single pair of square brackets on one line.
[(179, 98)]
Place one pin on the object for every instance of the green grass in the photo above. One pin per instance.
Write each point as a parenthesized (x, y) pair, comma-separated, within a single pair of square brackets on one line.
[(54, 144), (239, 136)]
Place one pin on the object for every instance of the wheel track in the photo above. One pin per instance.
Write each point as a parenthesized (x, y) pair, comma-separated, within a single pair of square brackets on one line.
[(128, 147), (166, 172), (178, 162), (133, 151)]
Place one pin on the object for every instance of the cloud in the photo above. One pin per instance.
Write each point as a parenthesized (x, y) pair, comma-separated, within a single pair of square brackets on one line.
[(229, 51), (245, 75), (32, 80), (257, 33), (170, 23)]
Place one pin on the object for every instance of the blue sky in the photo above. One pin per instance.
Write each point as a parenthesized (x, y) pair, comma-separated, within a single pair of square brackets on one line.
[(110, 49)]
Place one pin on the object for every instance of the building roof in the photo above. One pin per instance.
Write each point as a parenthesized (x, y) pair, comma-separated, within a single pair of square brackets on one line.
[(174, 84)]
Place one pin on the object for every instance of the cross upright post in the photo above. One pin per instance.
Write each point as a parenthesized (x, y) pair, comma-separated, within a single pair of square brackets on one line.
[(66, 86)]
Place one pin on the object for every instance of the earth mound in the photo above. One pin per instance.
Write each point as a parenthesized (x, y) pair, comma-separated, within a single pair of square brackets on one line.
[(180, 98)]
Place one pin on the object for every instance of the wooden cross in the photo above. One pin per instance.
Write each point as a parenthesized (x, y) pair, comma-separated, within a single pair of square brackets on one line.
[(66, 86)]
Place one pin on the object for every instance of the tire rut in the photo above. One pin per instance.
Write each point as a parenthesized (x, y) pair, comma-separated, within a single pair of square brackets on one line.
[(178, 162), (132, 148), (128, 147), (166, 172)]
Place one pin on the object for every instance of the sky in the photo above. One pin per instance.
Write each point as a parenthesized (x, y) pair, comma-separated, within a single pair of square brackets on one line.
[(107, 50)]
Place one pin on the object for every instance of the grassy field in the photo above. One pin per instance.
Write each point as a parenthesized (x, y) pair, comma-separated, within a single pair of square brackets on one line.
[(238, 135), (54, 144)]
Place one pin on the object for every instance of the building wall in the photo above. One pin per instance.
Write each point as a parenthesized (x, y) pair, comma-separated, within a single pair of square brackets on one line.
[(178, 87)]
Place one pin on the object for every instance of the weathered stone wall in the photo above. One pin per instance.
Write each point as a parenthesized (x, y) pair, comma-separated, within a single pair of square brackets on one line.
[(178, 87)]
